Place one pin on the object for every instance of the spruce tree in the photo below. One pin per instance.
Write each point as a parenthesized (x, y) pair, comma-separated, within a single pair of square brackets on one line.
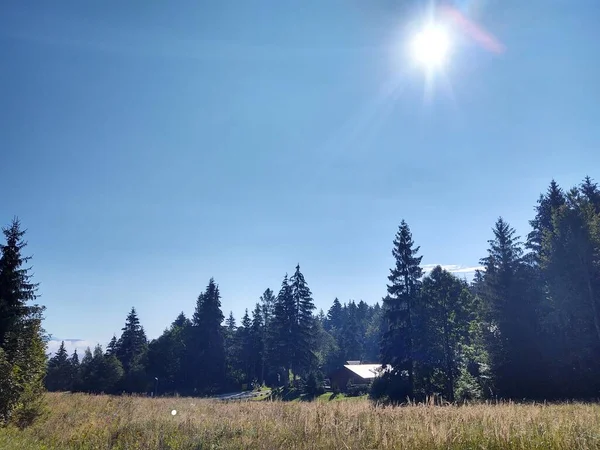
[(509, 312), (75, 370), (444, 327), (334, 317), (570, 268), (303, 332), (258, 345), (207, 347), (267, 306), (350, 337), (281, 348), (22, 346), (245, 357), (399, 305), (111, 348), (133, 343), (166, 357), (58, 376), (131, 351)]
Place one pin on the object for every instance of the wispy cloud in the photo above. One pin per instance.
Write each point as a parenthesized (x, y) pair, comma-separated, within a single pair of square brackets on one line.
[(71, 345), (453, 268)]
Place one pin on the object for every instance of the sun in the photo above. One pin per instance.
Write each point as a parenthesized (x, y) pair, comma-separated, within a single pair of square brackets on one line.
[(430, 47)]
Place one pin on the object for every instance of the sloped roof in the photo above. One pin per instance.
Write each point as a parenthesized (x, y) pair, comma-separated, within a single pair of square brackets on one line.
[(365, 371)]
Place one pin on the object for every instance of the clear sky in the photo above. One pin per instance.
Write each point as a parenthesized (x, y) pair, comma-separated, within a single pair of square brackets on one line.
[(150, 145)]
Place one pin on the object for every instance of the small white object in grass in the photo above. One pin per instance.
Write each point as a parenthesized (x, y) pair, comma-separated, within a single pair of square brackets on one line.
[(173, 412)]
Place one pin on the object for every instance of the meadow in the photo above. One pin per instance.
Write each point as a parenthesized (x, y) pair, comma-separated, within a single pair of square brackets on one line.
[(79, 421)]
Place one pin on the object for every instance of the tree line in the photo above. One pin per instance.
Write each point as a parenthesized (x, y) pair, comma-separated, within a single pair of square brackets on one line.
[(527, 326)]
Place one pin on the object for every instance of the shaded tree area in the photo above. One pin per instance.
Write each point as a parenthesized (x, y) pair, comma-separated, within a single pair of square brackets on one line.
[(526, 326)]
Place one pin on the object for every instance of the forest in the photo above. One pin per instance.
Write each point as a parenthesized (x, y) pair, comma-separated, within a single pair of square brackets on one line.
[(526, 327)]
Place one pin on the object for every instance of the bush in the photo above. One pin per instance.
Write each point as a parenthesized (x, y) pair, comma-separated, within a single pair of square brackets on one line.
[(314, 386), (467, 387), (389, 388), (357, 390)]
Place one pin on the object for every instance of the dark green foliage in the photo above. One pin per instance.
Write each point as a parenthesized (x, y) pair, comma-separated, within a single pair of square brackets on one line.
[(528, 326), (100, 373), (205, 349), (22, 346), (281, 334), (397, 349), (60, 373), (508, 313), (132, 344), (166, 357), (443, 326), (257, 345), (314, 384), (130, 350), (111, 348), (303, 330)]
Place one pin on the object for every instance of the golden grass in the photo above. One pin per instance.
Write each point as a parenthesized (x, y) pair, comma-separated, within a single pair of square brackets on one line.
[(78, 421)]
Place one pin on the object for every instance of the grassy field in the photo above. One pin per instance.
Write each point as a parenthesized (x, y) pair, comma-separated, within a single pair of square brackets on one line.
[(101, 422)]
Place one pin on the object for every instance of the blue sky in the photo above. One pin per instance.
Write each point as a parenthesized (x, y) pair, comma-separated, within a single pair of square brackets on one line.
[(148, 146)]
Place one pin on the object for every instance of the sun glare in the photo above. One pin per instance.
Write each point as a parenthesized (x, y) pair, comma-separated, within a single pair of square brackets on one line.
[(430, 47)]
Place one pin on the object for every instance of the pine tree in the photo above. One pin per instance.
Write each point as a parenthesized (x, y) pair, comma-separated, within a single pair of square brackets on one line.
[(350, 337), (166, 357), (571, 272), (245, 357), (58, 376), (22, 346), (334, 317), (303, 332), (207, 346), (230, 323), (111, 348), (267, 307), (258, 345), (509, 312), (444, 326), (543, 223), (233, 351), (403, 295), (131, 351), (75, 371), (132, 343), (281, 349)]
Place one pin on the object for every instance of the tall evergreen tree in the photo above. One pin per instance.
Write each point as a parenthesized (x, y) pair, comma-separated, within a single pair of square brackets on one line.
[(281, 331), (399, 305), (75, 372), (131, 351), (303, 331), (350, 337), (207, 346), (267, 307), (258, 344), (166, 357), (133, 343), (22, 346), (571, 272), (59, 373), (509, 312), (334, 317), (111, 348), (444, 317)]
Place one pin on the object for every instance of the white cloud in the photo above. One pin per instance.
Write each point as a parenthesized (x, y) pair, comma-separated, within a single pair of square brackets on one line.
[(452, 268), (70, 346)]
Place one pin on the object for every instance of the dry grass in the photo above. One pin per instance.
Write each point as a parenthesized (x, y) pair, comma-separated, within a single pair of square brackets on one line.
[(101, 422)]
